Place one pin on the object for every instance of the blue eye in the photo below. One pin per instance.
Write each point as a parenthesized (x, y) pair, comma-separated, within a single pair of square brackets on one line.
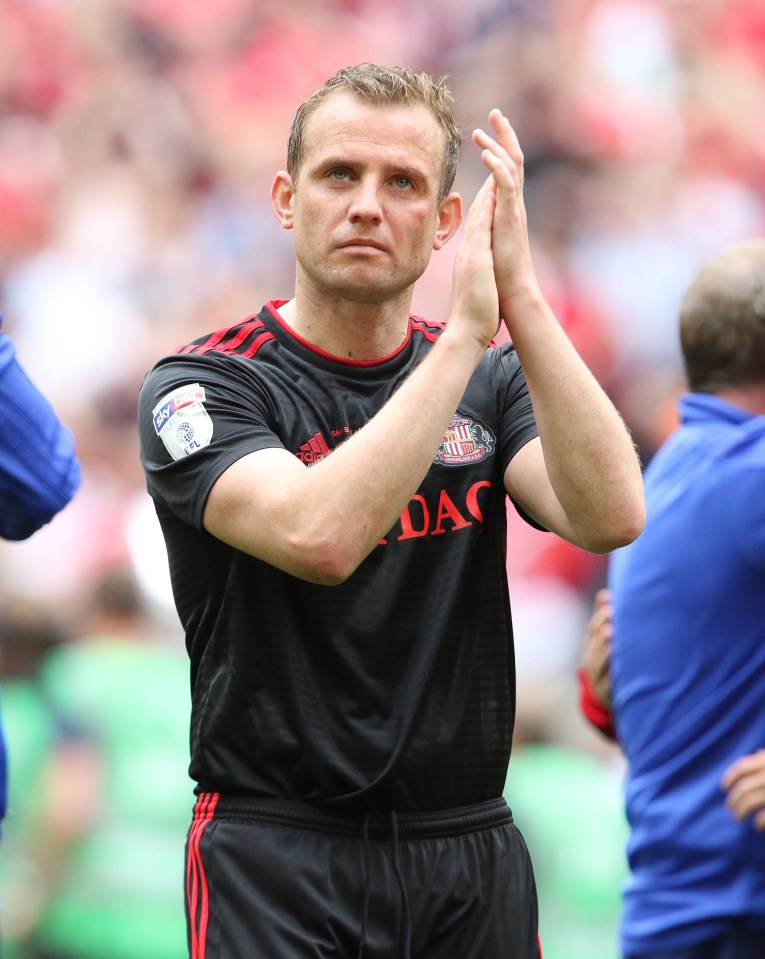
[(402, 181), (339, 174)]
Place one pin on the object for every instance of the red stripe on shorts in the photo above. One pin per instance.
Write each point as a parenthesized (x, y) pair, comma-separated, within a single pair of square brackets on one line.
[(196, 880)]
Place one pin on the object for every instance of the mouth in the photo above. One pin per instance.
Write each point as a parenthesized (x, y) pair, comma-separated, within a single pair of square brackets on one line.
[(362, 244)]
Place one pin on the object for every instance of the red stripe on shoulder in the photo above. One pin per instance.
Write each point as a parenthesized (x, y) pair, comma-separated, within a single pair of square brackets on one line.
[(257, 343), (244, 339), (431, 331)]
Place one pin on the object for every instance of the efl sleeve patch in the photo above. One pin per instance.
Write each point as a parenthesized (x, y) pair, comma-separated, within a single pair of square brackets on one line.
[(182, 422)]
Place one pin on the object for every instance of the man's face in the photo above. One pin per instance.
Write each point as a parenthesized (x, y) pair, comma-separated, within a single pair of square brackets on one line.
[(365, 210)]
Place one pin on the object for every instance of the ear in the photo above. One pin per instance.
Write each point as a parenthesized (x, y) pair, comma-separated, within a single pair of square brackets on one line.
[(449, 219), (282, 198)]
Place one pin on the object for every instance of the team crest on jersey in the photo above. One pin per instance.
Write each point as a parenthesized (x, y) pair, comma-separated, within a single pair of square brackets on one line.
[(465, 441), (182, 422)]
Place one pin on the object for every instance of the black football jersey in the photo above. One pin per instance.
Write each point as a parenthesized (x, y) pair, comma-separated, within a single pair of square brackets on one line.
[(395, 689)]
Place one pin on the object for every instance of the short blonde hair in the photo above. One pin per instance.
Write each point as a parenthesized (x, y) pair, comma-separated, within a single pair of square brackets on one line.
[(382, 85)]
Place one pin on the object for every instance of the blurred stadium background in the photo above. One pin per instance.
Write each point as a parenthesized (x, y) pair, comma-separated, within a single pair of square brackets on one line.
[(138, 140)]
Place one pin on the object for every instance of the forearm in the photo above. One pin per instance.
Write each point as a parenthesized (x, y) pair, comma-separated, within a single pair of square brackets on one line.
[(589, 455), (375, 473), (589, 486), (320, 522)]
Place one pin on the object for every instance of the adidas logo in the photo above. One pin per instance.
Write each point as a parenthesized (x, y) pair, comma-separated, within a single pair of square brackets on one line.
[(314, 450)]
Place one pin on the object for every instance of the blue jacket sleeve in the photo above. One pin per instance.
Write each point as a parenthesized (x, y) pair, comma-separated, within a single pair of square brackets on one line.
[(39, 470)]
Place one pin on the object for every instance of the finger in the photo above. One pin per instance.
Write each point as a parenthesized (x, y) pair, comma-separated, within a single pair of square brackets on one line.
[(602, 597), (506, 134), (496, 157), (487, 142), (602, 620), (505, 179), (744, 766), (746, 798), (476, 240), (481, 209), (596, 655), (508, 138), (744, 782)]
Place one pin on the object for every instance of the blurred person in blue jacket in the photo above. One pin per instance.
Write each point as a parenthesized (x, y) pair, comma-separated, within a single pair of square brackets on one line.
[(39, 469), (674, 660)]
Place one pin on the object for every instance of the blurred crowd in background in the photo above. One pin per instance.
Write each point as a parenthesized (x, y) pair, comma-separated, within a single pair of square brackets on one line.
[(138, 142)]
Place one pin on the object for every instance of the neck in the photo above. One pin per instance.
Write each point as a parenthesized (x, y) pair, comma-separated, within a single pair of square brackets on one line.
[(349, 330), (749, 398)]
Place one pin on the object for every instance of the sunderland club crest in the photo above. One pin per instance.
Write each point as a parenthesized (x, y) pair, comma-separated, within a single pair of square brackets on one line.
[(465, 441)]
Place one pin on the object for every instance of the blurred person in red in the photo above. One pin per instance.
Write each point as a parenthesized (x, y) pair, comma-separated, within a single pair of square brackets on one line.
[(331, 478)]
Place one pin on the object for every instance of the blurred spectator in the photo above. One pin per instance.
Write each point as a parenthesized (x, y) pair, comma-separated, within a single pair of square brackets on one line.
[(28, 633), (675, 654), (39, 471), (98, 843)]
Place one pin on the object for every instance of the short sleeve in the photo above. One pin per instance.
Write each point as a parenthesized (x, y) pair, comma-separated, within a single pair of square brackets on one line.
[(516, 414), (196, 416)]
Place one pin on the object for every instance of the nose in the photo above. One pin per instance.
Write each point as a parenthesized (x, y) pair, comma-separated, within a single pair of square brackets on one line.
[(365, 202)]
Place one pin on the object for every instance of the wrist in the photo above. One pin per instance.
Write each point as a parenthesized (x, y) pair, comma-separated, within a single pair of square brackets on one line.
[(597, 713), (522, 298), (460, 340)]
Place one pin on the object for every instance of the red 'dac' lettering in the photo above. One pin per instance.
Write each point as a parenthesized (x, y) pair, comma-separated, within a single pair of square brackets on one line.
[(420, 520), (448, 511)]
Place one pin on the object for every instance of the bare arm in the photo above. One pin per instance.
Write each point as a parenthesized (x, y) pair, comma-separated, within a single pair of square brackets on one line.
[(582, 478), (320, 522)]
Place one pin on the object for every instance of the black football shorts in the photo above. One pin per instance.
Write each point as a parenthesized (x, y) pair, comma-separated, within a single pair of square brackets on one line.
[(284, 880)]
